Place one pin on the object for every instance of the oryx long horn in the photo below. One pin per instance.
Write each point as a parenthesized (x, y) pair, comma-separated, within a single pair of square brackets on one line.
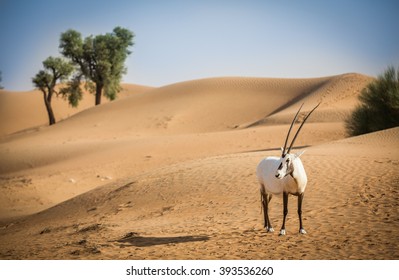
[(289, 131), (299, 129)]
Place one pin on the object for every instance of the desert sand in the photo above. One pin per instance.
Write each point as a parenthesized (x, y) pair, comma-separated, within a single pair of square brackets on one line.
[(26, 110), (169, 173)]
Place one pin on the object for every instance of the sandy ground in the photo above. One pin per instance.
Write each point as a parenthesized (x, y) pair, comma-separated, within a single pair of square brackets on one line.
[(169, 173)]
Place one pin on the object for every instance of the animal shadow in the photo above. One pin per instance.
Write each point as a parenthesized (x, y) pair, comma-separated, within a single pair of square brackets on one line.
[(133, 239)]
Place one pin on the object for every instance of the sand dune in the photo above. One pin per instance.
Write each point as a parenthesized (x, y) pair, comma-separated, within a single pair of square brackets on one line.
[(188, 108), (26, 110), (169, 173), (162, 126)]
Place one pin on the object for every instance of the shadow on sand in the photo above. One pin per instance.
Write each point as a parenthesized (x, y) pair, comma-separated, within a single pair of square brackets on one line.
[(133, 239)]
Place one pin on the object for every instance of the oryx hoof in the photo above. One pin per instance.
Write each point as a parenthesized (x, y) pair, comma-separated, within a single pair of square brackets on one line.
[(302, 231), (282, 232), (270, 229)]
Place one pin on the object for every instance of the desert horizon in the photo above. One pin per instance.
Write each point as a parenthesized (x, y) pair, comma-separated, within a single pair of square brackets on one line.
[(169, 173)]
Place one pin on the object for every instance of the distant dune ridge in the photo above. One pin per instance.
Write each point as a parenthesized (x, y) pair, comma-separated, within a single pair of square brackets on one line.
[(26, 110), (174, 167)]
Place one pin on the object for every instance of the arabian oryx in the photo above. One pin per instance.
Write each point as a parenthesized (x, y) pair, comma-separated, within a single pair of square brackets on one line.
[(285, 175)]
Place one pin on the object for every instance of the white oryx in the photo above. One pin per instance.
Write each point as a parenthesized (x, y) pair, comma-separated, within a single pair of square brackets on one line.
[(285, 175)]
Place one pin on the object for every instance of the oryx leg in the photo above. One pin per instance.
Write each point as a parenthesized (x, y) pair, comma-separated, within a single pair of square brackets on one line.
[(300, 199), (285, 212), (265, 205)]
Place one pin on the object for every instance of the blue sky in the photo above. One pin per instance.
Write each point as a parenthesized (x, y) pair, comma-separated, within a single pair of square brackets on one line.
[(183, 40)]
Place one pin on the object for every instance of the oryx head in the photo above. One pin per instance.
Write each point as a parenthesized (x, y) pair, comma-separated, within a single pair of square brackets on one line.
[(286, 166)]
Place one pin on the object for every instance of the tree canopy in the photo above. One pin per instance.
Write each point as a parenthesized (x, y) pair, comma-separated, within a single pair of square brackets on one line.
[(379, 108), (100, 60)]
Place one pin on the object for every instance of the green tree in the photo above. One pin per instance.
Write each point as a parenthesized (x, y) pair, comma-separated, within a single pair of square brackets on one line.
[(73, 91), (379, 108), (55, 69), (100, 60)]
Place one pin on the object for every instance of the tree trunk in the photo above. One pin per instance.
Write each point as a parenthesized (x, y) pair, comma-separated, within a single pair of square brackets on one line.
[(47, 102), (99, 90)]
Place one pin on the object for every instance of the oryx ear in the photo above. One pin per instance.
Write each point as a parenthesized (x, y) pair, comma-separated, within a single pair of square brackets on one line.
[(298, 154), (282, 150)]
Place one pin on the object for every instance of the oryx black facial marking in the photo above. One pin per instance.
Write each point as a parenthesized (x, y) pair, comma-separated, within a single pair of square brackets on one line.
[(285, 168)]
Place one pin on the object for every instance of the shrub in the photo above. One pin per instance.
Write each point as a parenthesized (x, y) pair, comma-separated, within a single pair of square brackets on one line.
[(379, 108)]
